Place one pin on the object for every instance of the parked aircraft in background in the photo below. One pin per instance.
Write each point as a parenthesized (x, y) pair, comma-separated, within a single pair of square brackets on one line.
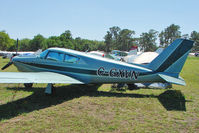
[(97, 53), (142, 57), (118, 55), (59, 65), (8, 54)]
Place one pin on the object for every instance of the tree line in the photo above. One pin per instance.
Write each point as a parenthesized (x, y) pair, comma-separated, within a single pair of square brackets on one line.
[(65, 40), (115, 38), (123, 39)]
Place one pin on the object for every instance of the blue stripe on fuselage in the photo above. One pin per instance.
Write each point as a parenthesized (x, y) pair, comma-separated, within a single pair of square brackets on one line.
[(73, 70)]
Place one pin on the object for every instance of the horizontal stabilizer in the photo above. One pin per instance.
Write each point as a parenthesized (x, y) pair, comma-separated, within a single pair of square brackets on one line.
[(172, 80)]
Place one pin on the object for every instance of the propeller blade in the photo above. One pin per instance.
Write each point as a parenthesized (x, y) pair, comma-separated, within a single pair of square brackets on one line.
[(7, 65), (17, 46)]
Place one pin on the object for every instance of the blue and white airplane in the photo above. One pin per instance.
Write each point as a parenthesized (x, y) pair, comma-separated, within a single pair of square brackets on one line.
[(59, 65)]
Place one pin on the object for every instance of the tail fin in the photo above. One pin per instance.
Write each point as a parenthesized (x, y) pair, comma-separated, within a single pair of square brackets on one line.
[(172, 59)]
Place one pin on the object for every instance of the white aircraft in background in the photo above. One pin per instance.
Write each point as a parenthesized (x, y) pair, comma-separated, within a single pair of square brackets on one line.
[(10, 54)]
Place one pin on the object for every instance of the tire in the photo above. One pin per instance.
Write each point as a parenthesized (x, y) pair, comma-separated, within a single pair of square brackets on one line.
[(28, 85), (132, 87)]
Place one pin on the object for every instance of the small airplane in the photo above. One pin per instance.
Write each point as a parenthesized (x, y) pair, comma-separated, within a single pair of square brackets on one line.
[(8, 54), (59, 65)]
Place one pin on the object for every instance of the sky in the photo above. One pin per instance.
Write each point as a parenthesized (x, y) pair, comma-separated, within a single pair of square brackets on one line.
[(91, 19)]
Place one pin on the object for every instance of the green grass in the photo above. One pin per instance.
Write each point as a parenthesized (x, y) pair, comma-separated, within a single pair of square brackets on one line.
[(100, 109)]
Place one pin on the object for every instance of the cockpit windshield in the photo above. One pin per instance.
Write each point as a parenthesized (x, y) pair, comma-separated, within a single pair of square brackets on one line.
[(43, 54)]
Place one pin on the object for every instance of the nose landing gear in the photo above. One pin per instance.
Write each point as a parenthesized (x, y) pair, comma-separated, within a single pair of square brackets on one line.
[(50, 90)]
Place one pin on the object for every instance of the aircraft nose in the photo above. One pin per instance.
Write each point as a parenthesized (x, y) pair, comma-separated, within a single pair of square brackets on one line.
[(15, 58)]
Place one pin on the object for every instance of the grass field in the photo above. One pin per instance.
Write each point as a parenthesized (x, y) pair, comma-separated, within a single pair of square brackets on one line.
[(98, 108)]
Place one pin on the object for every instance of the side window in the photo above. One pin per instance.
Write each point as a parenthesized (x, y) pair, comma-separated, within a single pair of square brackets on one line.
[(71, 59), (55, 56)]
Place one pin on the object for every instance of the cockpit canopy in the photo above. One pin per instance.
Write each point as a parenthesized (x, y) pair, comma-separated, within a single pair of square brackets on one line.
[(55, 55)]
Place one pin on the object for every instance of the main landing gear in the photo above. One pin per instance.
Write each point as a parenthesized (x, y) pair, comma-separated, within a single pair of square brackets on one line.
[(50, 90), (28, 85), (123, 86)]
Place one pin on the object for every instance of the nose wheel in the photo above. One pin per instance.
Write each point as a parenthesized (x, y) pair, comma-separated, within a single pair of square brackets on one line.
[(50, 90)]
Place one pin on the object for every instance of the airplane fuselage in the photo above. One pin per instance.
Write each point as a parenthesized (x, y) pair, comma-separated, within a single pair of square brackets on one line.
[(85, 67)]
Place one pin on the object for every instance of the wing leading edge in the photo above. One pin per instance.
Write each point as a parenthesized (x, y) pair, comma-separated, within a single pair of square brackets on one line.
[(36, 77)]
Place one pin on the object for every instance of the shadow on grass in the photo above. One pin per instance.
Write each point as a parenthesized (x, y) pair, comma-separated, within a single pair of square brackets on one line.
[(170, 99), (173, 100)]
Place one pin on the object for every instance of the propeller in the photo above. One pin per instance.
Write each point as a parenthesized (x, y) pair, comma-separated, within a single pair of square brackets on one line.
[(11, 62), (7, 65), (17, 46)]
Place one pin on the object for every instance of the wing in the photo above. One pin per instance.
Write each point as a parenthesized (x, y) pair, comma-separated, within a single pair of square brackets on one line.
[(36, 77)]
